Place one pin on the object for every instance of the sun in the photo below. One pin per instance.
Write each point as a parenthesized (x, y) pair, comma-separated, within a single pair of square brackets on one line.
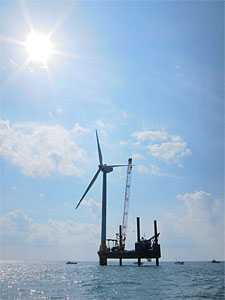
[(39, 47)]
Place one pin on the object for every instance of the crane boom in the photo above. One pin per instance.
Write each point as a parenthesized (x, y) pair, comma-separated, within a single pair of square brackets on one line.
[(126, 202)]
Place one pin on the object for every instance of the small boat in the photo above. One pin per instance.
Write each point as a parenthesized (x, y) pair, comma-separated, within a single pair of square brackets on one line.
[(179, 262), (215, 261), (71, 263)]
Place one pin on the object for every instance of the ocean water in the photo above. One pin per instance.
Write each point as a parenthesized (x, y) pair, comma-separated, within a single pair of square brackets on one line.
[(89, 281)]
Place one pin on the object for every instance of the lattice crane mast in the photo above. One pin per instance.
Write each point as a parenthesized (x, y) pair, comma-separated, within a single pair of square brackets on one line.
[(126, 203)]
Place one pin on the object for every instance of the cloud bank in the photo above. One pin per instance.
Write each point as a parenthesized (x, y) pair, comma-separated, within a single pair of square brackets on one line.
[(201, 223), (192, 231), (41, 150), (19, 229)]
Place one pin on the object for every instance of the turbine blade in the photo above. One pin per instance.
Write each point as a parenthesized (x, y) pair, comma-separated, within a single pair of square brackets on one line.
[(88, 188), (99, 150), (114, 166)]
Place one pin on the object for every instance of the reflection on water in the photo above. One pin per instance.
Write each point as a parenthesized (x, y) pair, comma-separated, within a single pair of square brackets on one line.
[(86, 280)]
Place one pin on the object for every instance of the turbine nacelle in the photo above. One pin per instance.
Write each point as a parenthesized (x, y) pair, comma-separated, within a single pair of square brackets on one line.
[(105, 168)]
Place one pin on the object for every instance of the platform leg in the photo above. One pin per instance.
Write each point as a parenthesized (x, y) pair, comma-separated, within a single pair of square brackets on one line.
[(121, 263), (139, 262), (157, 262), (102, 261)]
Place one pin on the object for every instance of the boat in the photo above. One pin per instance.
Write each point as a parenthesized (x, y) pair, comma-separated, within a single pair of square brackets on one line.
[(215, 261), (179, 262), (71, 263)]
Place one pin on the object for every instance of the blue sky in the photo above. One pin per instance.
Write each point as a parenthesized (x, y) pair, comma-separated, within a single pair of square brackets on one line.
[(148, 75)]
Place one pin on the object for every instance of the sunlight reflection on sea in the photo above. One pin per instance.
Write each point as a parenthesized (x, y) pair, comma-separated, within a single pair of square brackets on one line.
[(86, 280)]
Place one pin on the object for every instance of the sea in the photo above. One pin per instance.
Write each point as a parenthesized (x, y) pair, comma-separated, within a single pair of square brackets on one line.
[(89, 281)]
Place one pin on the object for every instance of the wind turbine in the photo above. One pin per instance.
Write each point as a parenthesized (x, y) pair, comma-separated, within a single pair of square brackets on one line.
[(105, 169)]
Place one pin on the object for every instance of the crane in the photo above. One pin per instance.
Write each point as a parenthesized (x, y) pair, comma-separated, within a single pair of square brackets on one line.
[(126, 204)]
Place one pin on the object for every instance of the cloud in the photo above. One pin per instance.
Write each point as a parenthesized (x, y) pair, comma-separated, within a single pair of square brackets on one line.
[(150, 135), (169, 148), (78, 129), (40, 150), (153, 170), (137, 156), (201, 221), (15, 224), (91, 203), (200, 205), (143, 169), (93, 206), (99, 123), (171, 151), (20, 229)]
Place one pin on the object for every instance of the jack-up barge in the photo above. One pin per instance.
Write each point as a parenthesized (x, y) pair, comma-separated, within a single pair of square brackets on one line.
[(144, 248)]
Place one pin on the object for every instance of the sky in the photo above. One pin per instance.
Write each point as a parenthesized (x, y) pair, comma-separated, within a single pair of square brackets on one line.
[(149, 76)]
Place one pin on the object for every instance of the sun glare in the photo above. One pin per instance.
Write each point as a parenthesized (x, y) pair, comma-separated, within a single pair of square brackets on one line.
[(39, 47)]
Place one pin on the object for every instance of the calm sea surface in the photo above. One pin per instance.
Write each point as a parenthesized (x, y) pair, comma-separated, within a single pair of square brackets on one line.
[(88, 281)]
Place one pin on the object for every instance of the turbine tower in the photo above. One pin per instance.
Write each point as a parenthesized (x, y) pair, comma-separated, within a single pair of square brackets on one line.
[(105, 169)]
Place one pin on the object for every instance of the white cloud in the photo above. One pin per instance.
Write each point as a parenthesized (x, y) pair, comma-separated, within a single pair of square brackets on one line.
[(137, 144), (78, 129), (169, 148), (171, 151), (200, 205), (154, 170), (143, 169), (150, 135), (18, 228), (99, 123), (137, 156), (93, 206), (16, 224), (90, 203), (40, 150), (201, 221)]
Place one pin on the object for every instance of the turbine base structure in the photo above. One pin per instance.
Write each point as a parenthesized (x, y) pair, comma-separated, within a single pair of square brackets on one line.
[(102, 261), (144, 248)]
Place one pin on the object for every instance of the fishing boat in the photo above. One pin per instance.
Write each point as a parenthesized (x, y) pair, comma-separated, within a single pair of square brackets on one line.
[(215, 261), (179, 262), (71, 263)]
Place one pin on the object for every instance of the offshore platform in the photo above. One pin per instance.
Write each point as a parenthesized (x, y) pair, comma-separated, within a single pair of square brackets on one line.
[(144, 248)]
